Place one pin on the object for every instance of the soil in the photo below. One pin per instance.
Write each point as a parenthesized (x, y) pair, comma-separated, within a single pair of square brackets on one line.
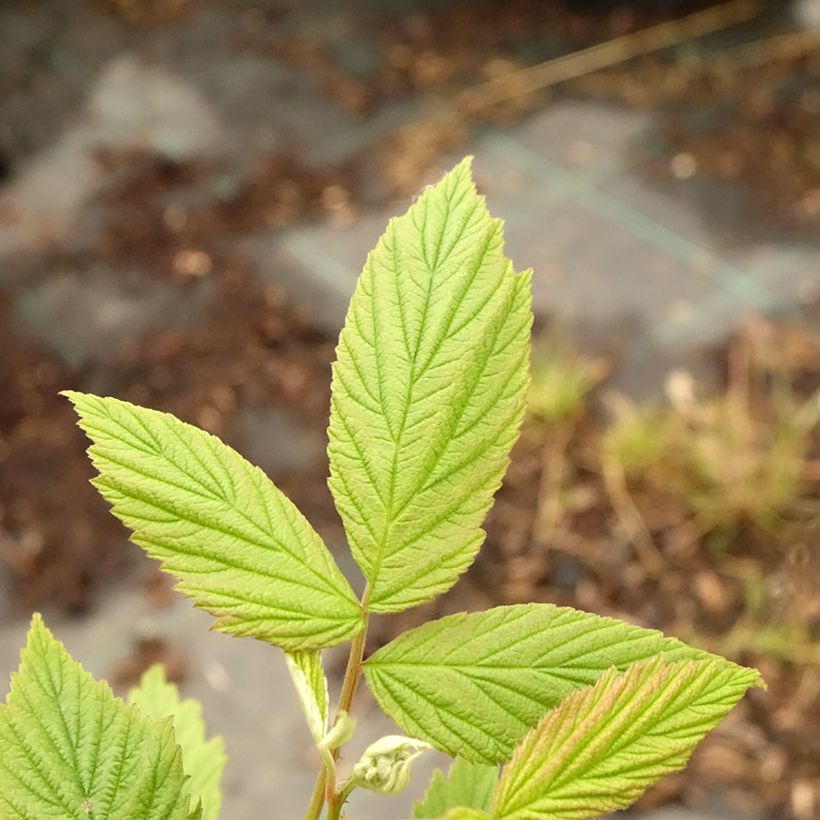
[(251, 349), (745, 113)]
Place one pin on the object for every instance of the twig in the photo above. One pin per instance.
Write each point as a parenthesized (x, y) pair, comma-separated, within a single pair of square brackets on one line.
[(633, 522), (781, 47), (604, 55), (553, 465)]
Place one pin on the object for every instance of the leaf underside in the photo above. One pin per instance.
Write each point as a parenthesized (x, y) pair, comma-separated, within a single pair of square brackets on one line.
[(308, 676), (202, 760), (428, 393), (467, 786), (70, 748), (239, 548), (510, 664), (604, 745)]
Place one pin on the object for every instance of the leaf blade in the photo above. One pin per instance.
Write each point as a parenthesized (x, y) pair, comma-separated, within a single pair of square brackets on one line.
[(203, 761), (604, 745), (308, 676), (467, 786), (237, 546), (428, 393), (71, 747), (511, 664)]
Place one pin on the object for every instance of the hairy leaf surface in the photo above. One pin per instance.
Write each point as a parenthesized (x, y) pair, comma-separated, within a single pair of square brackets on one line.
[(70, 748), (474, 684), (604, 745), (428, 393), (240, 549), (467, 785), (202, 760)]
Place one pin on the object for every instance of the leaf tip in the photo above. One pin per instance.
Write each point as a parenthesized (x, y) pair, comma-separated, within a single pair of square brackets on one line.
[(38, 631), (75, 397), (37, 621)]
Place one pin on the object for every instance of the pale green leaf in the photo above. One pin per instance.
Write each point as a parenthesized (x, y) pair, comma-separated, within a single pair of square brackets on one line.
[(202, 760), (467, 785), (196, 813), (465, 813), (240, 549), (604, 745), (474, 684), (310, 683), (428, 393), (69, 748)]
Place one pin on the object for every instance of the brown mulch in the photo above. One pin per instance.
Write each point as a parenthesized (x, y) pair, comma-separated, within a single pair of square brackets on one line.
[(251, 348), (747, 115)]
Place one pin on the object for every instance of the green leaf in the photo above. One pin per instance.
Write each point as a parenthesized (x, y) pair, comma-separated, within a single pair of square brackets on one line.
[(465, 813), (310, 682), (196, 813), (428, 393), (238, 546), (70, 748), (203, 761), (604, 745), (468, 785), (473, 685)]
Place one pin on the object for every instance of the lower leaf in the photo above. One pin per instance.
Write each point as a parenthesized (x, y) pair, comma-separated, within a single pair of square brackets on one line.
[(202, 760), (467, 786), (603, 746), (70, 749)]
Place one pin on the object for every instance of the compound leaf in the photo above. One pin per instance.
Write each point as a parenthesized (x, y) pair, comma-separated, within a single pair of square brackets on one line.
[(467, 785), (604, 745), (240, 549), (428, 393), (70, 749), (474, 684), (202, 760)]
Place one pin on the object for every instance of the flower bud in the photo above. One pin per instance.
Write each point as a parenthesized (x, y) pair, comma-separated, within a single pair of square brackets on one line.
[(385, 765)]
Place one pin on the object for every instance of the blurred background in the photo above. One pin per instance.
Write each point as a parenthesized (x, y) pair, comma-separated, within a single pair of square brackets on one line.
[(188, 189)]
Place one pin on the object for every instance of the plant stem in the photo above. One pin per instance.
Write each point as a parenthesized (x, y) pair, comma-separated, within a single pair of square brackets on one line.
[(317, 799), (334, 811), (335, 808), (353, 673)]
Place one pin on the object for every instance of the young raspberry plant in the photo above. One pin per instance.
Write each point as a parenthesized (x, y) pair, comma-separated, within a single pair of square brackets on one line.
[(548, 712)]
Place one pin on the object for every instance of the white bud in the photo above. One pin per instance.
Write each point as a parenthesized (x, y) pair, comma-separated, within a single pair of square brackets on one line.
[(385, 765)]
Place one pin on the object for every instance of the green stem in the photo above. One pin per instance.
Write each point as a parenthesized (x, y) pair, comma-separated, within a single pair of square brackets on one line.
[(322, 790), (334, 810), (317, 799), (352, 674)]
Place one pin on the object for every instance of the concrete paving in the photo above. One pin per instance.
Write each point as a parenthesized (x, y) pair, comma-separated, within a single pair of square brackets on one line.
[(614, 256)]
